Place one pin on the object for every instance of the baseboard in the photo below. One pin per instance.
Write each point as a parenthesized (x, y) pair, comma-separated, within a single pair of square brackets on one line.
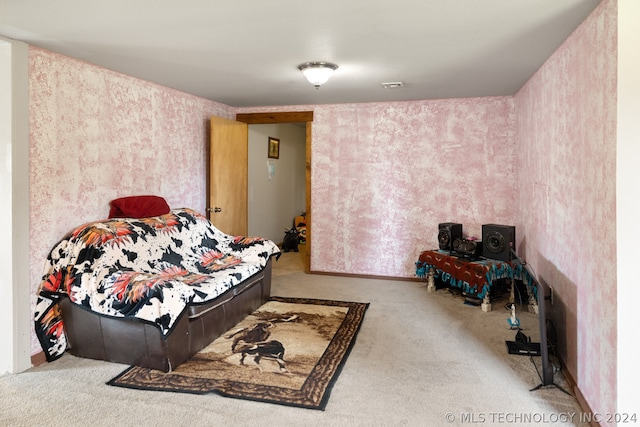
[(38, 359), (573, 386), (367, 276)]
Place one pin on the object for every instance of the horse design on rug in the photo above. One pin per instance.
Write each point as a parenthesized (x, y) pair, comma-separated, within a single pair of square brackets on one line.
[(254, 341)]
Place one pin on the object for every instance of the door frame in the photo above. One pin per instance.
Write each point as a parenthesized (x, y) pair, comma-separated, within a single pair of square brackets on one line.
[(291, 117)]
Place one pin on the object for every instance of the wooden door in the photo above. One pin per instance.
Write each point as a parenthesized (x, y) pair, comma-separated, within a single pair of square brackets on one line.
[(228, 175)]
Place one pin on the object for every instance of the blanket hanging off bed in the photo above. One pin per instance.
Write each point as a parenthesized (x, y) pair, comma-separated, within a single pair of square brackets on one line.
[(148, 268)]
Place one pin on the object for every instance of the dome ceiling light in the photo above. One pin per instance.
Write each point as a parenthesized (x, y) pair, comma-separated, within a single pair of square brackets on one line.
[(317, 72)]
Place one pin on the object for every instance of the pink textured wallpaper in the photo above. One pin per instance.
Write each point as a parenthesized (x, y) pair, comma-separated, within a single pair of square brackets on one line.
[(384, 175), (566, 133), (96, 135)]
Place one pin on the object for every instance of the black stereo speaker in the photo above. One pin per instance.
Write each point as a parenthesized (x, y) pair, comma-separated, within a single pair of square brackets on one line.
[(447, 233), (498, 241), (468, 247)]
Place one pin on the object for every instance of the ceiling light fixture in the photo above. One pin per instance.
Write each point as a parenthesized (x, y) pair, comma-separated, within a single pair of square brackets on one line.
[(317, 72)]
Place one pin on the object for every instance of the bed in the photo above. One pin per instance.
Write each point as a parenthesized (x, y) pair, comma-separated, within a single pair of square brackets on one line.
[(149, 291)]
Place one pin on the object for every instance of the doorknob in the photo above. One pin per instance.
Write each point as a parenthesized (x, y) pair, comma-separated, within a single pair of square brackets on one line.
[(215, 210)]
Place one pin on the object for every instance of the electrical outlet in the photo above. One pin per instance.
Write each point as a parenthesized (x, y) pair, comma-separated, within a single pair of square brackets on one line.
[(551, 295)]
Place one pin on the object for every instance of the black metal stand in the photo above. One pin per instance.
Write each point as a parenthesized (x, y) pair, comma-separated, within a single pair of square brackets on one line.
[(538, 387)]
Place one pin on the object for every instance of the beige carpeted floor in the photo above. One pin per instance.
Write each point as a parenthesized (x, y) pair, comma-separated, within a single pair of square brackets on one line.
[(420, 359)]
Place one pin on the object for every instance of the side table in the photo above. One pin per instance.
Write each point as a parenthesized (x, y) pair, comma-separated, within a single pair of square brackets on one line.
[(474, 276)]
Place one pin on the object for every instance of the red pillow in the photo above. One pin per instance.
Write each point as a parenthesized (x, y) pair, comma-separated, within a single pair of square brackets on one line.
[(138, 207)]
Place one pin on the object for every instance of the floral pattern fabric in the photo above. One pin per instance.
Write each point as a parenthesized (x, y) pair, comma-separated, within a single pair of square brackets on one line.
[(149, 269)]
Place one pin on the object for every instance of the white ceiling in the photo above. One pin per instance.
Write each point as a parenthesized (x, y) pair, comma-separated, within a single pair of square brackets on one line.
[(246, 52)]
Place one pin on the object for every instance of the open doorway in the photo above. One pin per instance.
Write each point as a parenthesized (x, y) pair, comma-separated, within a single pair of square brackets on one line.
[(276, 179), (305, 117)]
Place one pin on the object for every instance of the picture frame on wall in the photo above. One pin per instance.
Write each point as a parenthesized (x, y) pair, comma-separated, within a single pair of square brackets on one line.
[(274, 148)]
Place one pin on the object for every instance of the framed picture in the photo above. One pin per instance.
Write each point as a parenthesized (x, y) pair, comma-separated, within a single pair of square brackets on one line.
[(274, 148)]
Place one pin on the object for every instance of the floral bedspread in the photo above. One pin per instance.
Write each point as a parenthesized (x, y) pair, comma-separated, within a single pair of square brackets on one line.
[(149, 268)]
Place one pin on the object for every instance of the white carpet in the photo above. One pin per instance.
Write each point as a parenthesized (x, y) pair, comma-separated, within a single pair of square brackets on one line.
[(420, 359)]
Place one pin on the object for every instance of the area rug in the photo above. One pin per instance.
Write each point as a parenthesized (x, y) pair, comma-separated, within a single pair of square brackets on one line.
[(290, 351)]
